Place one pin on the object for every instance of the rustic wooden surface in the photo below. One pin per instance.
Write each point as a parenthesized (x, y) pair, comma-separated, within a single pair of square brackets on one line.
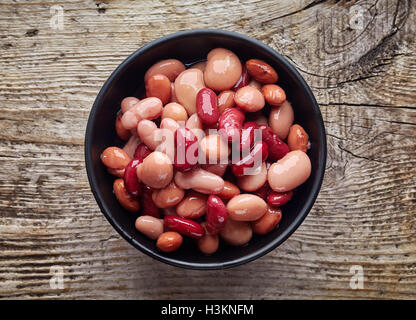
[(363, 76)]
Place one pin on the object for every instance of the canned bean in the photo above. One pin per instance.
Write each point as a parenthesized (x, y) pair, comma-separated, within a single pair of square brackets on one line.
[(236, 233), (277, 148), (122, 133), (126, 200), (225, 100), (169, 196), (273, 94), (186, 157), (243, 81), (268, 221), (229, 191), (192, 206), (174, 111), (158, 85), (150, 226), (254, 181), (115, 158), (200, 180), (278, 199), (131, 181), (230, 124), (298, 139), (249, 99), (187, 85), (223, 70), (215, 149), (246, 207), (128, 103), (146, 202), (261, 71), (216, 215), (289, 172), (209, 243), (169, 241), (171, 68), (281, 119), (206, 106), (184, 226), (156, 170)]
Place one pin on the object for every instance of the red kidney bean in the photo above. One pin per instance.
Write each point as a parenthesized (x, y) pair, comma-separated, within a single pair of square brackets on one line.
[(263, 191), (186, 227), (131, 181), (186, 156), (243, 81), (247, 135), (230, 124), (148, 206), (142, 151), (277, 148), (216, 215), (278, 199), (258, 152), (207, 106)]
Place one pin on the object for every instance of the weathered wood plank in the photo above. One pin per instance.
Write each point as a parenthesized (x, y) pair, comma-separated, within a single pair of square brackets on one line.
[(363, 79)]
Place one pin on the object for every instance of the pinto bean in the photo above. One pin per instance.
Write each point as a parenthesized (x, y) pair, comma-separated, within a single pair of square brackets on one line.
[(126, 200), (225, 100), (169, 196), (171, 68), (273, 94), (229, 191), (115, 158), (169, 241), (174, 111), (236, 233), (158, 85), (297, 139), (149, 109), (267, 222), (200, 65), (261, 71), (192, 206)]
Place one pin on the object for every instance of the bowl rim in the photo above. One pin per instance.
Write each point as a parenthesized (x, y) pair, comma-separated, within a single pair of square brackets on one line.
[(272, 244)]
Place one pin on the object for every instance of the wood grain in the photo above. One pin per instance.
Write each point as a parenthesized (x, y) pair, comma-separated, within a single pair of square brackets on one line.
[(363, 76)]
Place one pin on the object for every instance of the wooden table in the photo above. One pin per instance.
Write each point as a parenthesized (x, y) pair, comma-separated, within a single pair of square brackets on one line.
[(360, 62)]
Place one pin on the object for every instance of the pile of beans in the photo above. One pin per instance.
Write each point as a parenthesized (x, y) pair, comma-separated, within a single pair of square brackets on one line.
[(201, 158)]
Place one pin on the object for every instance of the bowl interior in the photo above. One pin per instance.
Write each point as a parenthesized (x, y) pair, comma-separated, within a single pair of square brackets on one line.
[(191, 47)]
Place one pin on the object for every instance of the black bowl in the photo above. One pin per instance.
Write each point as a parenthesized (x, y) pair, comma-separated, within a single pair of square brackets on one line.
[(189, 47)]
